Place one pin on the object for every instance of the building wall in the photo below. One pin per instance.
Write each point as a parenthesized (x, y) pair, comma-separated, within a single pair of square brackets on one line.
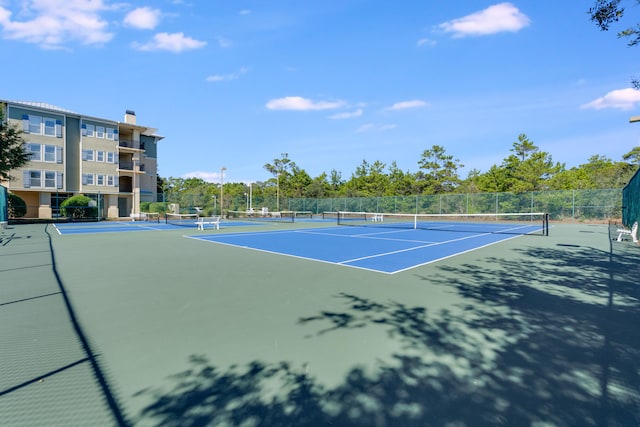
[(72, 157), (77, 154)]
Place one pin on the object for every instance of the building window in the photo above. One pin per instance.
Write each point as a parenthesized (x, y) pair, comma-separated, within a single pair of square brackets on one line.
[(87, 179), (49, 127), (89, 130), (99, 156), (111, 157), (112, 134), (35, 124), (35, 178), (50, 153), (34, 151), (110, 180), (87, 155), (100, 180), (49, 179), (99, 131)]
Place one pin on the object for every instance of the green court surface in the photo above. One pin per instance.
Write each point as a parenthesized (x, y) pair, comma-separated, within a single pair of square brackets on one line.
[(153, 329)]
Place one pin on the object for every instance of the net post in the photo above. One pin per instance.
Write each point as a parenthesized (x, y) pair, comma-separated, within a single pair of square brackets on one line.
[(545, 226)]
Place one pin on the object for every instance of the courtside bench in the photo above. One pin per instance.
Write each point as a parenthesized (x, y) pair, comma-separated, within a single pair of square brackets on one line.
[(633, 233), (214, 221)]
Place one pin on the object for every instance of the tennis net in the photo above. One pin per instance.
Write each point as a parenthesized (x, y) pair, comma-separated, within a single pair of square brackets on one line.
[(261, 217), (503, 223), (185, 220)]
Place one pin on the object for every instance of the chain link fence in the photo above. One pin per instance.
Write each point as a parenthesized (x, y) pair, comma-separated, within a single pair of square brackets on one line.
[(568, 205)]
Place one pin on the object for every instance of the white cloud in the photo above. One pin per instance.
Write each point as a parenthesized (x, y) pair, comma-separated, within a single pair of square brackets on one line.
[(621, 99), (425, 42), (372, 127), (175, 42), (206, 176), (416, 103), (51, 25), (224, 77), (347, 115), (144, 18), (494, 19), (297, 103), (224, 43)]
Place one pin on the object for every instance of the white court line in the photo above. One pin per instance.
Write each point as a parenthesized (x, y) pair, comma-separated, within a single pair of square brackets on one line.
[(366, 236), (415, 248), (456, 254), (283, 254)]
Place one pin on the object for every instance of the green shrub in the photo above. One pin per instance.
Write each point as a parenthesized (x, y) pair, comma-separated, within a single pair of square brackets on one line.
[(79, 207), (144, 206), (17, 206), (158, 207)]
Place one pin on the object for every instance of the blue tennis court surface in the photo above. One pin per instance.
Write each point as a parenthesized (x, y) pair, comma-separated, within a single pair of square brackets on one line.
[(381, 250), (132, 226)]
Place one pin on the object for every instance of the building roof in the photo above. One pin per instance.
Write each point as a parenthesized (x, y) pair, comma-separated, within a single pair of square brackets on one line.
[(45, 106)]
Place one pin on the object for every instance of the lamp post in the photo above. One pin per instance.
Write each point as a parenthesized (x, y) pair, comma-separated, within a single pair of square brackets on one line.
[(222, 169), (250, 199)]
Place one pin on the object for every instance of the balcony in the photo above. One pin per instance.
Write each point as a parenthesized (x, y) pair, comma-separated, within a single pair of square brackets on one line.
[(127, 143), (128, 166)]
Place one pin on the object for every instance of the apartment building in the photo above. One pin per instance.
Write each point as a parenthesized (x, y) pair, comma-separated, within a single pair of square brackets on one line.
[(112, 162)]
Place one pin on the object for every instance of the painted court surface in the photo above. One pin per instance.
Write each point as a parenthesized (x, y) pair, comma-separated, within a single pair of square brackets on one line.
[(309, 324)]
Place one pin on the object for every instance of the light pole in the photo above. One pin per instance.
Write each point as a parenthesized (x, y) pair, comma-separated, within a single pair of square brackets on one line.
[(250, 199), (222, 169)]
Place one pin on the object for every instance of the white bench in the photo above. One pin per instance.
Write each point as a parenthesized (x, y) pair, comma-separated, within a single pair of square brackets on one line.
[(377, 217), (142, 216), (214, 221), (626, 232)]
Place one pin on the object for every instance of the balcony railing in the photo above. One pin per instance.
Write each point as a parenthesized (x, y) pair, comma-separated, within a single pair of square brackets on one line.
[(127, 143), (128, 166)]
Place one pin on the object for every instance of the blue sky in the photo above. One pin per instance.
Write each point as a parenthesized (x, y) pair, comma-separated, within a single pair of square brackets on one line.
[(236, 83)]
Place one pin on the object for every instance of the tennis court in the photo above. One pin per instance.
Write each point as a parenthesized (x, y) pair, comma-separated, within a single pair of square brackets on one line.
[(155, 329), (382, 251)]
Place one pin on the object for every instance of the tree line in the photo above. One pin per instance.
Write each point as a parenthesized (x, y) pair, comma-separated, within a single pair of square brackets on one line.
[(525, 169)]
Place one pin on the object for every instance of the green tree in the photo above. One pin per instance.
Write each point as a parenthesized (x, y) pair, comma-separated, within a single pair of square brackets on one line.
[(440, 171), (318, 188), (281, 169), (528, 168), (368, 180), (401, 183), (606, 13), (12, 152), (335, 181), (298, 182), (632, 156), (605, 173)]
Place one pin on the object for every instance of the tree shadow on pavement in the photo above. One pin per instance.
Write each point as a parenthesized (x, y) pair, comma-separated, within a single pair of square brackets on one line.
[(549, 337)]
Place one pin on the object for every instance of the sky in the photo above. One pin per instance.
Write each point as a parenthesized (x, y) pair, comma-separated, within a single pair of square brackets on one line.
[(236, 83)]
